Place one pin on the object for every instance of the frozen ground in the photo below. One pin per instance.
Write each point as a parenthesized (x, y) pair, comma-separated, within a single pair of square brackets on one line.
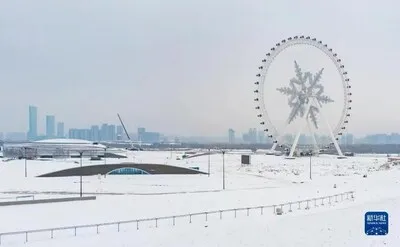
[(269, 180)]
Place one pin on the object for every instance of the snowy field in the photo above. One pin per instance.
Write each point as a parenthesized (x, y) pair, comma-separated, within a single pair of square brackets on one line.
[(269, 180)]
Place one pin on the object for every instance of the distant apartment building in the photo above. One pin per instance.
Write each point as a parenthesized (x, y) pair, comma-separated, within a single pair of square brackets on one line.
[(250, 136), (120, 133), (393, 138), (83, 134), (32, 132), (347, 139), (261, 137), (50, 126), (104, 132), (148, 137), (231, 136), (60, 130), (107, 132), (111, 133), (95, 133)]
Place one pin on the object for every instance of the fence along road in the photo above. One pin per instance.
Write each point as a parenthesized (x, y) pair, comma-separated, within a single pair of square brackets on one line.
[(275, 209), (17, 198)]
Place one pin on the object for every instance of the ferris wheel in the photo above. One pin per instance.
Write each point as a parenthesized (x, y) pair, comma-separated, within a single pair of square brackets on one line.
[(305, 96)]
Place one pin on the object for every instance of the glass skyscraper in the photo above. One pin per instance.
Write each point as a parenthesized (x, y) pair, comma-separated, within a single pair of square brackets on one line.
[(60, 130), (32, 132), (50, 126)]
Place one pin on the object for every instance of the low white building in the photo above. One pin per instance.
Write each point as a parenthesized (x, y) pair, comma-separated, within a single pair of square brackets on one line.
[(54, 148)]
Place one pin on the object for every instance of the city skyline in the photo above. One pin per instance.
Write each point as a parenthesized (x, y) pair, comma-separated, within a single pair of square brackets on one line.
[(40, 127), (96, 132), (112, 132), (81, 67)]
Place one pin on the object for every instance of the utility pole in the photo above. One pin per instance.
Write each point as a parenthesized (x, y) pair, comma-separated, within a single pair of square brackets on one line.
[(223, 169), (26, 168), (80, 182), (310, 164), (209, 154), (105, 158)]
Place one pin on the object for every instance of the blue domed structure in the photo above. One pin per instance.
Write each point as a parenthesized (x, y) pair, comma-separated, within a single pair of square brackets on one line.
[(128, 171)]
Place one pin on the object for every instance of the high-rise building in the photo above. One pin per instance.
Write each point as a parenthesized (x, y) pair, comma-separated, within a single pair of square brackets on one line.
[(95, 133), (83, 134), (150, 137), (261, 136), (231, 136), (104, 132), (347, 139), (32, 132), (60, 130), (250, 136), (120, 132), (50, 126), (111, 132), (253, 135)]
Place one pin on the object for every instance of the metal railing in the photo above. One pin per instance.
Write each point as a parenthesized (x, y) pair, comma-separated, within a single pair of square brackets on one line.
[(290, 206), (16, 198)]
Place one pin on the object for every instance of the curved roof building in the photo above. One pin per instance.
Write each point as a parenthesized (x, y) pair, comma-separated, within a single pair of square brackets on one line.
[(54, 148), (123, 169)]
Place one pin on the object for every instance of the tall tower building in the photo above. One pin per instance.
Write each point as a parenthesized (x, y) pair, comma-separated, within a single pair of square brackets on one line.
[(120, 132), (95, 133), (231, 136), (111, 132), (60, 130), (50, 126), (104, 133), (32, 132)]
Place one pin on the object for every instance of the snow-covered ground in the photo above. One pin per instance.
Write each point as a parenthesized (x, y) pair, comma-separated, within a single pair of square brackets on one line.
[(269, 180)]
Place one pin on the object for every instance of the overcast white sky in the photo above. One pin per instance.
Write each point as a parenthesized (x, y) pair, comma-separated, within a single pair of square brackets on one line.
[(183, 67)]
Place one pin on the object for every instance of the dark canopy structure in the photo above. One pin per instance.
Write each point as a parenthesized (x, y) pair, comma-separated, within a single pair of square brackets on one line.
[(151, 169)]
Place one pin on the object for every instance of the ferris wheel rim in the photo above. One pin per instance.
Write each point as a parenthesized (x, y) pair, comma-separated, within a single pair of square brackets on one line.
[(270, 57)]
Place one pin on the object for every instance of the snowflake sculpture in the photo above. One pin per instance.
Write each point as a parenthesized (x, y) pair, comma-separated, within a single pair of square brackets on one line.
[(303, 89)]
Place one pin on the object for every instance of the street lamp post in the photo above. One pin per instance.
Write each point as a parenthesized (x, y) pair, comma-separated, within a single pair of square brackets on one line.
[(26, 168), (310, 164), (105, 158), (223, 169), (209, 161), (80, 181)]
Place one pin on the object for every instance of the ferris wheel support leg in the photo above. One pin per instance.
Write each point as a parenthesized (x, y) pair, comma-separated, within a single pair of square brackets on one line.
[(274, 146), (296, 140), (280, 138), (330, 132)]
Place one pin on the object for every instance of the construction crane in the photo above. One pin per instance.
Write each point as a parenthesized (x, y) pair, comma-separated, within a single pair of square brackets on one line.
[(127, 135)]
